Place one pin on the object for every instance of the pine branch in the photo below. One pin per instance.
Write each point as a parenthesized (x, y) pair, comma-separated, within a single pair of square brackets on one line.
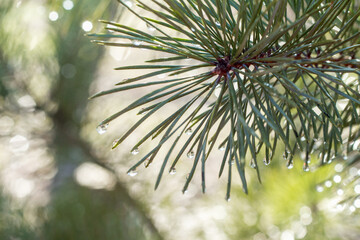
[(284, 71)]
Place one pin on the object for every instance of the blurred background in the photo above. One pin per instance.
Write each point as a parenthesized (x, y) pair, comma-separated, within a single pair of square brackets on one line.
[(60, 180)]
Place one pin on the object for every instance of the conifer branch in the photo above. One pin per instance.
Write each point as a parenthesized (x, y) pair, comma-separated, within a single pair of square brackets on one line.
[(283, 72)]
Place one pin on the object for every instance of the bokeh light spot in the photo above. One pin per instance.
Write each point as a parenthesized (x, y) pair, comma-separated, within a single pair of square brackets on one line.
[(337, 178), (93, 176), (68, 4), (357, 189), (87, 26), (287, 235), (68, 70), (53, 16), (357, 203), (18, 143)]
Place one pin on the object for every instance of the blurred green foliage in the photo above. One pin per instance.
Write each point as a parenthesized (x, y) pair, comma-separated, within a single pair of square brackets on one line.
[(55, 64), (279, 205), (56, 69), (12, 222), (78, 213)]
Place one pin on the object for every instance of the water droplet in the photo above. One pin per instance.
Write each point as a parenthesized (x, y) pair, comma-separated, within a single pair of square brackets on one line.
[(217, 23), (222, 148), (266, 162), (290, 165), (142, 112), (192, 29), (232, 162), (132, 173), (147, 162), (302, 138), (150, 28), (128, 3), (228, 199), (268, 85), (172, 171), (102, 128), (136, 42), (286, 156), (115, 142), (306, 167), (188, 131), (252, 163), (135, 151), (191, 154)]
